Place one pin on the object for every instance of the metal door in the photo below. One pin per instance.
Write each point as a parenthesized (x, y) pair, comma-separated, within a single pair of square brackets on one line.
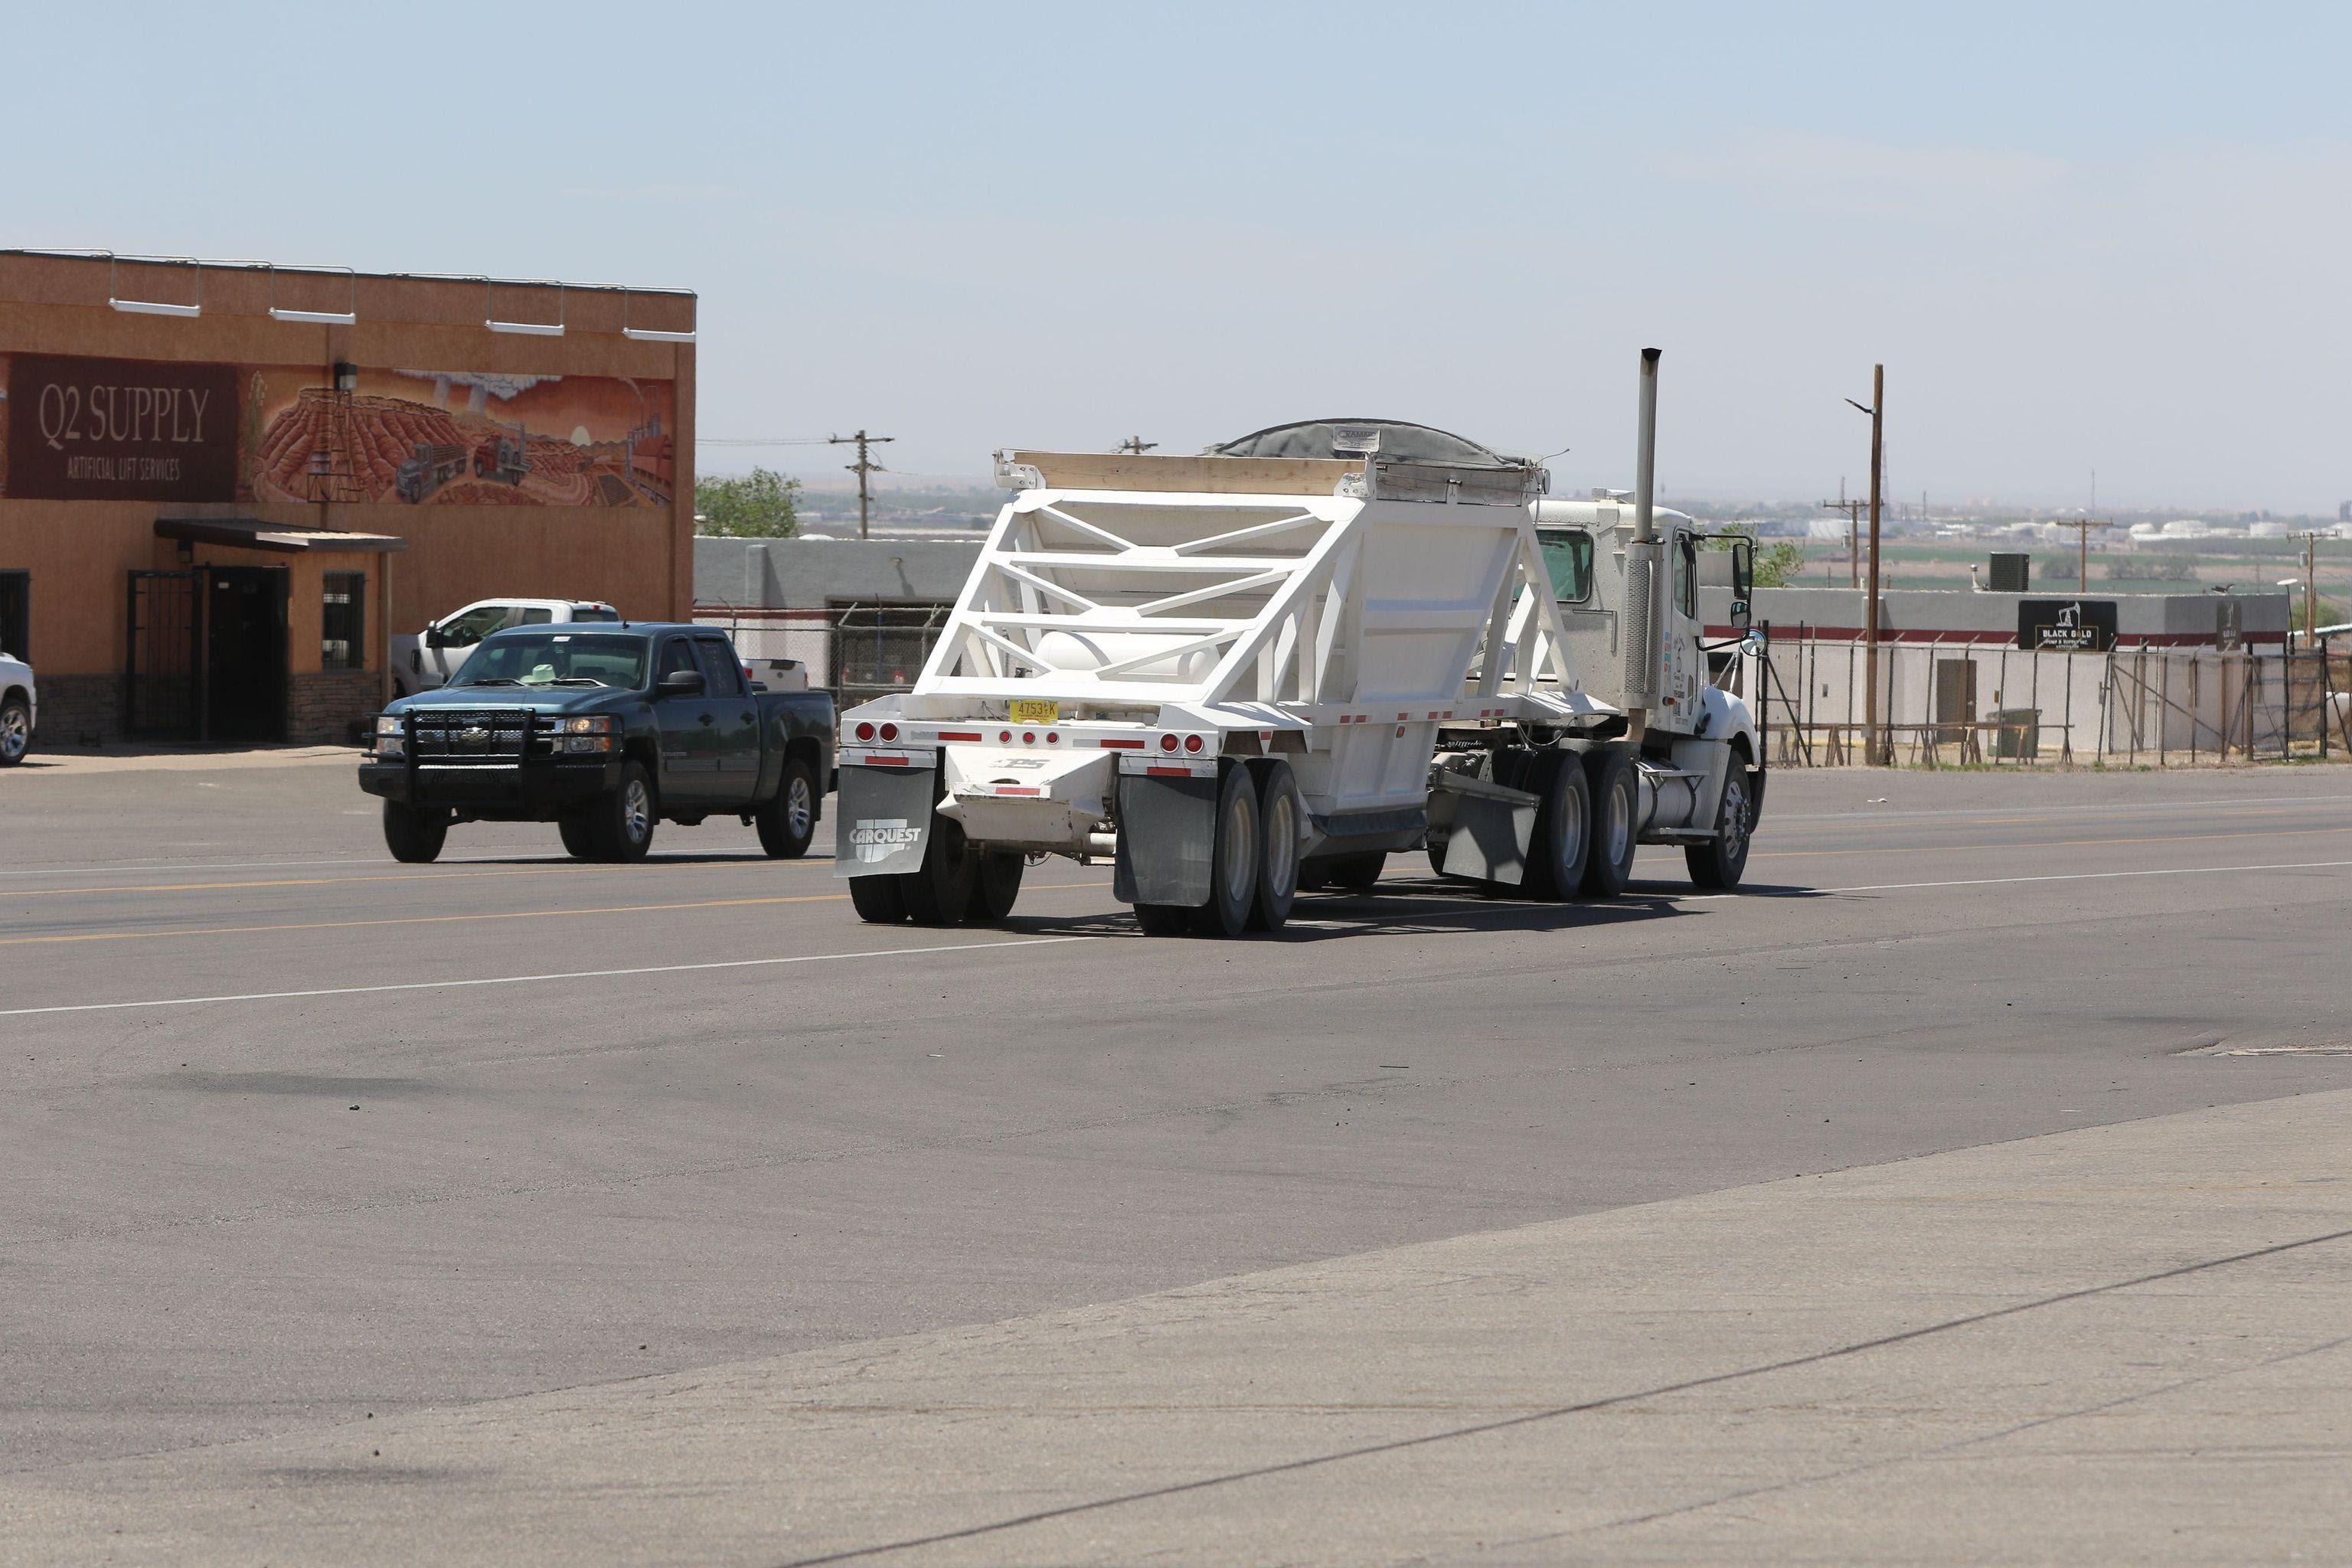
[(163, 685)]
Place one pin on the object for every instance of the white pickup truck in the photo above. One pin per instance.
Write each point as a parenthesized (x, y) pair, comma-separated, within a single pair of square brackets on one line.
[(426, 661), (17, 710)]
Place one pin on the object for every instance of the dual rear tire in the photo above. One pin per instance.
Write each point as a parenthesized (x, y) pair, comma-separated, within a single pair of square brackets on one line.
[(957, 882), (1254, 866)]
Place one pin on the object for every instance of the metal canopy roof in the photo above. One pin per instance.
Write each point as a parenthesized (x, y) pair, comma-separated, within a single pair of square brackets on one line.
[(251, 533)]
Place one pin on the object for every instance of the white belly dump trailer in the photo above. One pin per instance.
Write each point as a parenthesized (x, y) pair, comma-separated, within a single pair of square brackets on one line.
[(1233, 676)]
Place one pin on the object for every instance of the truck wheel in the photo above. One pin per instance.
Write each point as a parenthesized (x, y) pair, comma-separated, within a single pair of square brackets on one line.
[(996, 886), (1277, 869), (1563, 837), (1163, 920), (621, 825), (1358, 873), (15, 733), (1314, 876), (1719, 862), (1234, 862), (414, 833), (788, 822), (1609, 856), (579, 835), (939, 892), (879, 900)]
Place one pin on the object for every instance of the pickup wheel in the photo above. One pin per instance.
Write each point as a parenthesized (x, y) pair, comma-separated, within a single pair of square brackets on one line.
[(579, 835), (414, 833), (15, 732), (996, 886), (939, 892), (1563, 837), (621, 825), (1609, 859), (1721, 862), (879, 900), (1234, 862), (788, 822)]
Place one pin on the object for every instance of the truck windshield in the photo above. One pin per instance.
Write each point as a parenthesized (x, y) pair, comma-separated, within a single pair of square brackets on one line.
[(557, 658), (1567, 554)]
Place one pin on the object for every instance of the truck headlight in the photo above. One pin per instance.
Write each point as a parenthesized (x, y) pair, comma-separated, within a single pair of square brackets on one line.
[(596, 732), (391, 740)]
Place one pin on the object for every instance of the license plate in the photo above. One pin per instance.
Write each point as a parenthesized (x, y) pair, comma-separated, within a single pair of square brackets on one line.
[(1029, 710)]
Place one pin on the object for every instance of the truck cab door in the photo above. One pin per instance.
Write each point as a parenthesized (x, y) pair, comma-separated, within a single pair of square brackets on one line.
[(735, 760), (1682, 673), (688, 725), (450, 643)]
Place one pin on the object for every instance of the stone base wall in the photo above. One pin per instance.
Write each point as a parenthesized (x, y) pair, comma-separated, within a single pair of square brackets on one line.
[(77, 709), (327, 708)]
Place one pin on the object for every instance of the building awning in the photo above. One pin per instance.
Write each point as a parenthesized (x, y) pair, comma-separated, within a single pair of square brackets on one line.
[(250, 533)]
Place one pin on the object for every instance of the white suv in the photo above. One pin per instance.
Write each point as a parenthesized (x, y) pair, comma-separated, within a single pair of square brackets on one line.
[(16, 710), (429, 658)]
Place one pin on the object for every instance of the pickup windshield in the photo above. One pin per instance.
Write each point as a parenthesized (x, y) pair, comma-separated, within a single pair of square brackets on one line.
[(557, 658)]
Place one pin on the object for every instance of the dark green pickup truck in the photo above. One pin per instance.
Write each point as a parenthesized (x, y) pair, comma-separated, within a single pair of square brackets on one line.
[(601, 730)]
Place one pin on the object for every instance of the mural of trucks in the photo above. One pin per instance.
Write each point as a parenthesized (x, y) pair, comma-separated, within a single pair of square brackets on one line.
[(427, 469), (504, 457)]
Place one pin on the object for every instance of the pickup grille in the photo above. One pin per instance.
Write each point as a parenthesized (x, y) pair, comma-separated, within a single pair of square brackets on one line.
[(484, 735)]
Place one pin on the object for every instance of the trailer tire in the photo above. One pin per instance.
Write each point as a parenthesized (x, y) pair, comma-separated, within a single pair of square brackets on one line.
[(1314, 876), (996, 885), (1616, 802), (1563, 841), (1277, 871), (939, 892), (1720, 861), (879, 900), (1358, 873), (1163, 920), (788, 822), (415, 834), (1234, 860)]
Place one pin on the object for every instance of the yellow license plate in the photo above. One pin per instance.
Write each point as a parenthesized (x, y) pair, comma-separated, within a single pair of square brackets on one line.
[(1029, 711)]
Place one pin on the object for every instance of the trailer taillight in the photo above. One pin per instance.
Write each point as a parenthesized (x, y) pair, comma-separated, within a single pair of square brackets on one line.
[(1053, 737), (1167, 743), (865, 731), (889, 731), (1191, 743)]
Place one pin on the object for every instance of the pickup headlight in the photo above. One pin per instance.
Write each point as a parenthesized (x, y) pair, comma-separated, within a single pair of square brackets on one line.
[(391, 740), (596, 732)]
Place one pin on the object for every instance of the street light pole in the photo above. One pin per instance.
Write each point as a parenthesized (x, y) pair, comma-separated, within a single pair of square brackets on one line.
[(1877, 412)]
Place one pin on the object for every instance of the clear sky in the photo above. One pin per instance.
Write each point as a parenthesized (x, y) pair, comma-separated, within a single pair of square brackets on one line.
[(2114, 237)]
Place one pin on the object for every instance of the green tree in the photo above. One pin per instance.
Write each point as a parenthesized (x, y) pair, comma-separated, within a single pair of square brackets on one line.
[(762, 504), (1779, 566)]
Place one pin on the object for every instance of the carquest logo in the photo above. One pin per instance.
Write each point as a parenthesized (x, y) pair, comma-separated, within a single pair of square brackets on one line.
[(877, 838)]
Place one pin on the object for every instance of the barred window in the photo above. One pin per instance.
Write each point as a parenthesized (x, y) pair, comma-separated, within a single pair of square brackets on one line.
[(343, 624)]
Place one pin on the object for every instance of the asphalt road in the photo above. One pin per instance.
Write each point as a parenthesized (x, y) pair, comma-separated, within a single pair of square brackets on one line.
[(292, 1134)]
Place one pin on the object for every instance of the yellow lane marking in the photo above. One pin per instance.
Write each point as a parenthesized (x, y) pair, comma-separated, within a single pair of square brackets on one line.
[(2042, 843), (447, 920)]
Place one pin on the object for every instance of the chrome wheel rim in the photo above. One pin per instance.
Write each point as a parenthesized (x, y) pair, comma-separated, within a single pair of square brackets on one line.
[(637, 810), (15, 733), (1735, 817), (800, 811)]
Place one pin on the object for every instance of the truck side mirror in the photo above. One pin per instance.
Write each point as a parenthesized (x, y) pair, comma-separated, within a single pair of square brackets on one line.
[(683, 683), (1743, 581), (435, 638)]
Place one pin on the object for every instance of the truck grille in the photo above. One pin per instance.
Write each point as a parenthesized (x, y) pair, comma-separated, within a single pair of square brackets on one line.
[(488, 733)]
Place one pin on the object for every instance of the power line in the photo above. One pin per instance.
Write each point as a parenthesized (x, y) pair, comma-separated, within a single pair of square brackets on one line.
[(863, 468), (759, 441)]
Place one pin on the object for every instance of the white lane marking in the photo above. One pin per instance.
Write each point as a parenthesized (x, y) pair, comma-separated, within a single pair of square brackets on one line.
[(133, 867), (2077, 877), (2118, 809), (527, 979)]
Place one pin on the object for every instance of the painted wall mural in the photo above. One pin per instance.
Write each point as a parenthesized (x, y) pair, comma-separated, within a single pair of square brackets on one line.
[(87, 429)]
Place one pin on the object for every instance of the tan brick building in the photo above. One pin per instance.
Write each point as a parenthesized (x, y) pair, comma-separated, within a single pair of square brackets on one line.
[(223, 486)]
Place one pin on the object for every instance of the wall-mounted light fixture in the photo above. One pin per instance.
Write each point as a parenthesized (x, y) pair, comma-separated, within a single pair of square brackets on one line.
[(345, 317), (531, 329), (155, 307)]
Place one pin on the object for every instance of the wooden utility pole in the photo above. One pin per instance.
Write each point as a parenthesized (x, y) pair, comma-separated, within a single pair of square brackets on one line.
[(2310, 593), (862, 468), (1877, 412), (1137, 445), (2082, 552)]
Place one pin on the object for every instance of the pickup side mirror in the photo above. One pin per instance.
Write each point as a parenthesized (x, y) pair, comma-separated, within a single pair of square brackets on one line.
[(1743, 581), (435, 638), (683, 683)]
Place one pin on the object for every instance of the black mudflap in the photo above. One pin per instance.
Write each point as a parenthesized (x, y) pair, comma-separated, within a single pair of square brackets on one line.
[(1167, 840), (884, 819)]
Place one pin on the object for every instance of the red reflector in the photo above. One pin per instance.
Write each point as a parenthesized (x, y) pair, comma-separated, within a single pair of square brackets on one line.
[(1028, 737), (959, 734), (889, 731), (1053, 737), (1191, 743), (865, 731), (886, 761), (1122, 745), (1004, 735), (1167, 743), (1016, 789), (1169, 772)]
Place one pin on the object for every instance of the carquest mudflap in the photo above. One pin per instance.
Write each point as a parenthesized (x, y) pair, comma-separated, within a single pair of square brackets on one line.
[(884, 819)]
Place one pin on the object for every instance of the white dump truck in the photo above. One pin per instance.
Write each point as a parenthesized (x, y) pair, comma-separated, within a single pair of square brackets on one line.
[(1272, 666)]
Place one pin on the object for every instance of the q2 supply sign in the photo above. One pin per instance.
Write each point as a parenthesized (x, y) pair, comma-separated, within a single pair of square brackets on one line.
[(119, 429)]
